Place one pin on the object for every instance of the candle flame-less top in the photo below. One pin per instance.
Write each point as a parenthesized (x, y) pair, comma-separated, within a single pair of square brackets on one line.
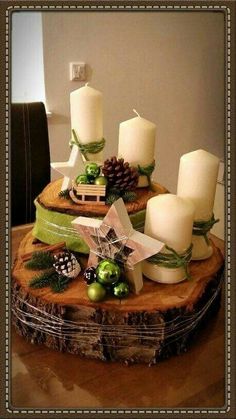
[(169, 219), (137, 141), (197, 180), (86, 114)]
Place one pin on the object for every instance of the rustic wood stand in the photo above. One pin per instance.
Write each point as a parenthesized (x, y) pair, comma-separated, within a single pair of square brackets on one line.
[(153, 325)]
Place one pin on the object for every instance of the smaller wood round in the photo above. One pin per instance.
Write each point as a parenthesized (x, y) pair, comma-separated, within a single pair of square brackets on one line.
[(50, 200), (158, 307)]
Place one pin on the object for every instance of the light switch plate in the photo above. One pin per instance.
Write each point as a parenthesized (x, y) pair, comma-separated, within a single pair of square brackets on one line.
[(77, 71)]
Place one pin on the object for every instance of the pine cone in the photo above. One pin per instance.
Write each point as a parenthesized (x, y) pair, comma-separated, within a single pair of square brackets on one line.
[(66, 264), (120, 175)]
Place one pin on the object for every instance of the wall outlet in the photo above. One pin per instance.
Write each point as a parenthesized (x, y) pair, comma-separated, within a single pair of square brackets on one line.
[(77, 71)]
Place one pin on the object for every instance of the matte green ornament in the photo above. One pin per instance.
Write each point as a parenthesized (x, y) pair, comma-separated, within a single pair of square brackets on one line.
[(108, 272), (96, 292), (82, 179), (121, 290), (92, 170), (100, 180)]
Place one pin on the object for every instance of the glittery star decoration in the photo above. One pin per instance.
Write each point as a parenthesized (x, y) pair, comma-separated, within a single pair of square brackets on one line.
[(71, 168), (115, 238)]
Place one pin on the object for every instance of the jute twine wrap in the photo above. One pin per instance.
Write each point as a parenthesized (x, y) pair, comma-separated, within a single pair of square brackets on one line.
[(173, 259), (201, 228), (147, 171), (90, 148)]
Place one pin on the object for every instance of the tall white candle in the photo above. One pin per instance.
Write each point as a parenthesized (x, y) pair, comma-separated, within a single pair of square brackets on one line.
[(197, 180), (137, 142), (87, 116), (169, 219)]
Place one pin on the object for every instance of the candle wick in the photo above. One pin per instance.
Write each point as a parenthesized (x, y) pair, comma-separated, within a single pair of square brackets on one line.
[(134, 110), (86, 84)]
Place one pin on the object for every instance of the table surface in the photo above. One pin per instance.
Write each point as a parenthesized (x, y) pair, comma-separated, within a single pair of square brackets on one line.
[(43, 378)]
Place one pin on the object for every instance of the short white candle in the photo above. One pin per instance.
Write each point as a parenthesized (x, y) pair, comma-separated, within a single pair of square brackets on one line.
[(137, 142), (169, 219), (87, 116), (197, 181)]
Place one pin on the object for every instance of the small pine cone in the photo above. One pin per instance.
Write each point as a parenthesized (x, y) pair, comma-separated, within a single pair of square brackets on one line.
[(66, 264), (120, 175)]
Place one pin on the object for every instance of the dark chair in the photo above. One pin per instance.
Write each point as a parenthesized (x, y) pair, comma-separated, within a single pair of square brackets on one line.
[(30, 159)]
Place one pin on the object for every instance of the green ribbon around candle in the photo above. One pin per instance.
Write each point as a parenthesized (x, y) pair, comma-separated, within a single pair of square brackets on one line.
[(147, 171), (173, 259), (201, 228), (90, 148)]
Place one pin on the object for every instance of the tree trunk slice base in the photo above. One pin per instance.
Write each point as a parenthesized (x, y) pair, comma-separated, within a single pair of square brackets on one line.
[(142, 328), (50, 200)]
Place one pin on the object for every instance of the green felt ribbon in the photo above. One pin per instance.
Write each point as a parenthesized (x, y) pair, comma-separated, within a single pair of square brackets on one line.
[(90, 148), (173, 259), (147, 171), (201, 228)]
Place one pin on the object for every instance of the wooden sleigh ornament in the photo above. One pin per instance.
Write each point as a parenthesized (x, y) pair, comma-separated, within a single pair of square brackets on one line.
[(88, 194)]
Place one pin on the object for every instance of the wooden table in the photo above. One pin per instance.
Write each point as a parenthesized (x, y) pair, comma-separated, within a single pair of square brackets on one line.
[(44, 378)]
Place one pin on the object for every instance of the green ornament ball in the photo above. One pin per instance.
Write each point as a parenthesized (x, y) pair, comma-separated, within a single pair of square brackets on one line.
[(108, 272), (101, 180), (96, 292), (92, 170), (121, 290), (82, 179)]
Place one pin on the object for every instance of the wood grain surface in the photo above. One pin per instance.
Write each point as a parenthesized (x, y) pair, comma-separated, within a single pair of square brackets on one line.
[(50, 200), (153, 296), (44, 378)]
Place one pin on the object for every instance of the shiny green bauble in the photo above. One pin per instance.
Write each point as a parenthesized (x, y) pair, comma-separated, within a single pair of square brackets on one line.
[(108, 272), (96, 292), (92, 170), (101, 180), (82, 179), (121, 290)]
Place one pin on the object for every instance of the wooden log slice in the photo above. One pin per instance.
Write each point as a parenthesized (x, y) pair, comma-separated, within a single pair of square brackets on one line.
[(158, 322), (50, 200)]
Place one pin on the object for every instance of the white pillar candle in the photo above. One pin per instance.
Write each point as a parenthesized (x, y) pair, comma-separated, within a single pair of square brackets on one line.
[(169, 219), (137, 143), (87, 116), (197, 180)]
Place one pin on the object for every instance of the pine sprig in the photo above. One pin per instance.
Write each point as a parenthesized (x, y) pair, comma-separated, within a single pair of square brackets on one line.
[(111, 198), (64, 194), (42, 280), (40, 260), (129, 196), (59, 283)]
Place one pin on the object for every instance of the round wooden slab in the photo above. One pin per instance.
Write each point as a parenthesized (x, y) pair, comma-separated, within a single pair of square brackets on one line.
[(157, 304), (50, 200)]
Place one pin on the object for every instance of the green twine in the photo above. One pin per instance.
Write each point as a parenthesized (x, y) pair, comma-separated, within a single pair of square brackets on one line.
[(201, 228), (147, 171), (92, 148), (173, 260)]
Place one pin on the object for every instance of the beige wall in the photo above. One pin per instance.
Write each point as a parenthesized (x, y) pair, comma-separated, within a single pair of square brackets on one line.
[(167, 65)]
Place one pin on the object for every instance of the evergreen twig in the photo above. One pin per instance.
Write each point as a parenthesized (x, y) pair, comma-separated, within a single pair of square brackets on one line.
[(40, 260), (42, 280), (59, 283), (129, 196), (64, 194)]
